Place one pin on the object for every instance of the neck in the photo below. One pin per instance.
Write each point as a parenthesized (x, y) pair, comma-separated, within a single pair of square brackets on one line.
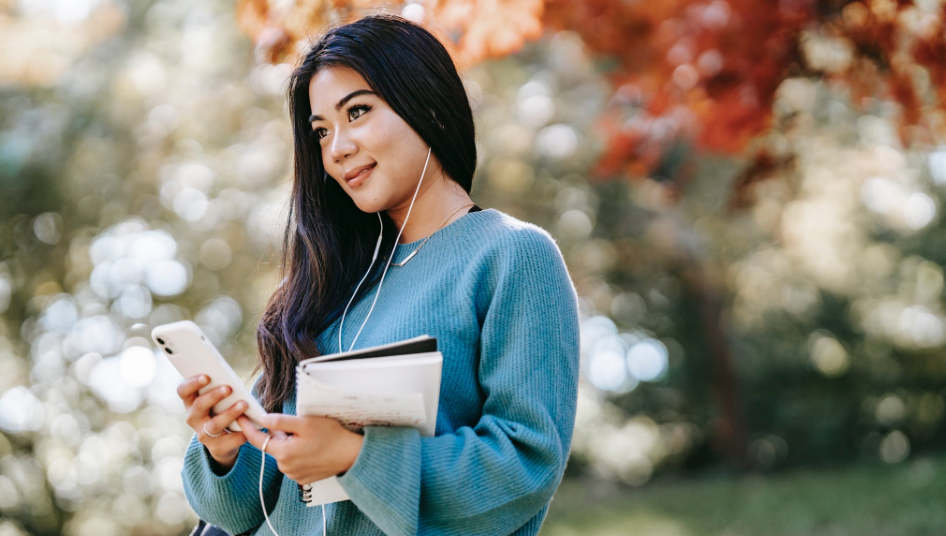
[(434, 202)]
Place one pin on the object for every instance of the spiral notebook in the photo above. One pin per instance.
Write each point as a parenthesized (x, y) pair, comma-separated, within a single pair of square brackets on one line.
[(395, 384)]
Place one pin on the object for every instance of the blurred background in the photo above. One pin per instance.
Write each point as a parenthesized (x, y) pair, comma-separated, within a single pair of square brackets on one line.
[(748, 195)]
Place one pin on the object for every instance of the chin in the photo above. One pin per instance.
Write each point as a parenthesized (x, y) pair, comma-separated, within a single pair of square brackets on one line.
[(368, 203), (369, 208)]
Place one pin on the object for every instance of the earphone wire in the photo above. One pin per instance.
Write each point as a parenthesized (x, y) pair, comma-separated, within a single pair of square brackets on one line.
[(342, 324), (374, 257), (390, 257), (261, 471)]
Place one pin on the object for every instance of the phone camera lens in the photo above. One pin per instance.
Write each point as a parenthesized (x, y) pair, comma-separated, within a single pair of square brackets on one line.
[(168, 350), (160, 340)]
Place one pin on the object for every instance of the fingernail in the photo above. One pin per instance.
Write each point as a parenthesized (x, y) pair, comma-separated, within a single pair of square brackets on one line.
[(204, 379), (224, 389), (241, 404)]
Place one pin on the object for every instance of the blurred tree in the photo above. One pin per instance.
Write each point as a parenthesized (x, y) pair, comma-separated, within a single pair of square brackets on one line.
[(698, 70), (686, 71), (144, 173)]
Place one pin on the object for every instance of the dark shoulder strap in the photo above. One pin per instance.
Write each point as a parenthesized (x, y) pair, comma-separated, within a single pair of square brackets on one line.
[(475, 208)]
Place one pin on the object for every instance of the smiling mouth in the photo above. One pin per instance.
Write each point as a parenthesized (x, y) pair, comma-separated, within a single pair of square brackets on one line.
[(357, 178)]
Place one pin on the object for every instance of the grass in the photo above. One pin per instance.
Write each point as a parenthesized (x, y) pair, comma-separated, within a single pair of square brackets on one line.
[(870, 499)]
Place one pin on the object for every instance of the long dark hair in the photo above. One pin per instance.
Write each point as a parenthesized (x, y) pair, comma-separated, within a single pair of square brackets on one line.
[(328, 241)]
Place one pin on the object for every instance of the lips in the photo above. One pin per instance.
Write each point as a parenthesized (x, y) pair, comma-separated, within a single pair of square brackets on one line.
[(358, 170)]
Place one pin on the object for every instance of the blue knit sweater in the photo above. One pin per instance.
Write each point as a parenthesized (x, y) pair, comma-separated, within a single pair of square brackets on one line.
[(495, 293)]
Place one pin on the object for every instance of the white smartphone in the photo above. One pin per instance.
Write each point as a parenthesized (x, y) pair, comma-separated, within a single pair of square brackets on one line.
[(192, 353)]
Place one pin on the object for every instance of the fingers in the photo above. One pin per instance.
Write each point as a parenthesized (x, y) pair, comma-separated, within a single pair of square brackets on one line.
[(204, 402), (199, 410), (218, 435), (219, 422), (212, 429), (277, 439), (187, 390), (224, 447), (254, 436), (284, 423)]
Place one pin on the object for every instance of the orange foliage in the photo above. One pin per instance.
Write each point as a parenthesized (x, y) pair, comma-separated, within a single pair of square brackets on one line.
[(930, 52), (707, 71), (700, 70), (471, 30), (488, 29)]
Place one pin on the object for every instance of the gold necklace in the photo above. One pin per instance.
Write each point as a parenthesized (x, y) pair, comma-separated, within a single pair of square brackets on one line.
[(409, 257)]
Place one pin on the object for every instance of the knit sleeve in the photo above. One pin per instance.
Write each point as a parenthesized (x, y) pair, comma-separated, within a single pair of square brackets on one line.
[(496, 476), (230, 500)]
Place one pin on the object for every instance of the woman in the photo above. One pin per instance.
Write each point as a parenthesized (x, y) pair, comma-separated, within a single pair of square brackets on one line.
[(384, 137)]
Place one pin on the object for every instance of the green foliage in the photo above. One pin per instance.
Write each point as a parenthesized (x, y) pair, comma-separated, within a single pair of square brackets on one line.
[(870, 499), (149, 185)]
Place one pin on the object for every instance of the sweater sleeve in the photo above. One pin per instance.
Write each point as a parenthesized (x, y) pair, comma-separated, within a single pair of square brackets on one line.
[(496, 476), (231, 500)]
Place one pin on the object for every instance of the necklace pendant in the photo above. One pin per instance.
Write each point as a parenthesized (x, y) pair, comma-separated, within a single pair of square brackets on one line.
[(402, 263), (409, 257)]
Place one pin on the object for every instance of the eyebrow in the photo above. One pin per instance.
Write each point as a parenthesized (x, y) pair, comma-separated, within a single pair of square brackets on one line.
[(342, 102)]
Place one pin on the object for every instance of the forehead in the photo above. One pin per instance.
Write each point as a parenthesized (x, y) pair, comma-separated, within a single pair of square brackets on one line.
[(330, 84)]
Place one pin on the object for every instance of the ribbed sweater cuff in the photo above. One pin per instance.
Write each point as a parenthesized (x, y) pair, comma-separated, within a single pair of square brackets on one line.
[(384, 482), (230, 501)]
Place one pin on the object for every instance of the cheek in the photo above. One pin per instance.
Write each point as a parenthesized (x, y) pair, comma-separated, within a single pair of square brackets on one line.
[(374, 136), (335, 172), (327, 162)]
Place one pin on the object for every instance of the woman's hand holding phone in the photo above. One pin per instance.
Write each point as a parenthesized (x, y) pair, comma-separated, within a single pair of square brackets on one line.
[(225, 447)]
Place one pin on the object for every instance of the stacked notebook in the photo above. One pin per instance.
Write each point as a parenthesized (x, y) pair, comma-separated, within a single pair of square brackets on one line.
[(395, 384)]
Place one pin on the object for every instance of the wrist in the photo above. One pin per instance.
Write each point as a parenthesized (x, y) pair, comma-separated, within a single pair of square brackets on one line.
[(221, 464), (351, 447)]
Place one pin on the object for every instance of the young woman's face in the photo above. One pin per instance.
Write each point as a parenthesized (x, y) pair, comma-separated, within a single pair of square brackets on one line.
[(365, 131)]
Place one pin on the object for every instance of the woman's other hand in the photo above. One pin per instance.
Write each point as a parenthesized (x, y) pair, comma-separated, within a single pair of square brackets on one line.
[(306, 449), (225, 446)]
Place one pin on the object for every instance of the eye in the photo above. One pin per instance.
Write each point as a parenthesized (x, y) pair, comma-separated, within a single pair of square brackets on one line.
[(319, 133), (362, 107)]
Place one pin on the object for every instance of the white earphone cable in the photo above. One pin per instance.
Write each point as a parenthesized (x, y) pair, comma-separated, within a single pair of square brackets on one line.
[(261, 470), (373, 258), (342, 324), (390, 257), (263, 504)]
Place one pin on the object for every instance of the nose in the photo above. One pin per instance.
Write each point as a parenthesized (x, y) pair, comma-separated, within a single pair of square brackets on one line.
[(342, 146)]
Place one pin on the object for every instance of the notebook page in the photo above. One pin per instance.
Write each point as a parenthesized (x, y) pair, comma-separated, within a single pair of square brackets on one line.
[(356, 410), (383, 376)]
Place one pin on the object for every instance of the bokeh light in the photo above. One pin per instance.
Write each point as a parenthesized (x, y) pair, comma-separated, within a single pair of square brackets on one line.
[(735, 277)]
